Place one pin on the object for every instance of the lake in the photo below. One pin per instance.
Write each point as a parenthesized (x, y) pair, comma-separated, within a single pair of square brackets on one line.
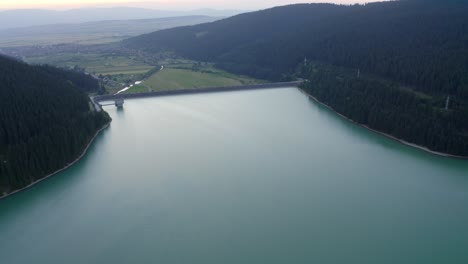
[(264, 176)]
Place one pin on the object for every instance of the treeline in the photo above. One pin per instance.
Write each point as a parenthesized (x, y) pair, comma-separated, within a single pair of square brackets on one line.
[(84, 82), (46, 121), (387, 107)]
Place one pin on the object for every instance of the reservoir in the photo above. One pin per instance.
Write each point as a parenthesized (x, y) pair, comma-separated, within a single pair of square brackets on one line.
[(265, 176)]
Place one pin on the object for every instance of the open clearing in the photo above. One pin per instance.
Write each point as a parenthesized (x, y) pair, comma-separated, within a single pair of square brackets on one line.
[(179, 78)]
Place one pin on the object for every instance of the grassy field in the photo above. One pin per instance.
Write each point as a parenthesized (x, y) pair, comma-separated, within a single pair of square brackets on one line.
[(184, 78), (137, 89), (123, 71), (98, 32), (86, 39)]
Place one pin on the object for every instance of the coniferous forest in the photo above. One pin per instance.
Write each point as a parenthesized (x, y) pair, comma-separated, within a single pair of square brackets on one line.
[(390, 108), (46, 121), (411, 55)]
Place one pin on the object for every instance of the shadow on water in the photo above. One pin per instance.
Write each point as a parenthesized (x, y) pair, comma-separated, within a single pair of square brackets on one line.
[(364, 134), (117, 112), (47, 189)]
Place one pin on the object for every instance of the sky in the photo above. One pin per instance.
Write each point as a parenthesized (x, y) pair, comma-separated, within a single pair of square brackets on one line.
[(161, 4)]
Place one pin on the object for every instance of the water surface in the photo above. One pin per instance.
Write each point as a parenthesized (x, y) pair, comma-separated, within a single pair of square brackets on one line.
[(263, 176)]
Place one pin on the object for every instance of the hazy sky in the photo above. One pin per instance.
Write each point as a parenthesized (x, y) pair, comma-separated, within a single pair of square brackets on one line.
[(162, 4)]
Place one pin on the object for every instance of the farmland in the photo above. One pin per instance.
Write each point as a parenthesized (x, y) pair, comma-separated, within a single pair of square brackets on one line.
[(95, 63), (96, 32), (189, 76)]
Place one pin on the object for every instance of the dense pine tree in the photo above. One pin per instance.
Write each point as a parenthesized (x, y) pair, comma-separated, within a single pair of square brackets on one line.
[(46, 121), (386, 106)]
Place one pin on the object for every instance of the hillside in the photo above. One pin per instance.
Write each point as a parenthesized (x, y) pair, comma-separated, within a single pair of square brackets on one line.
[(418, 46), (46, 121), (405, 40)]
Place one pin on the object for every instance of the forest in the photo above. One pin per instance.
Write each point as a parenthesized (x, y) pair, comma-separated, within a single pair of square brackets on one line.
[(420, 43), (415, 53), (387, 107), (46, 121)]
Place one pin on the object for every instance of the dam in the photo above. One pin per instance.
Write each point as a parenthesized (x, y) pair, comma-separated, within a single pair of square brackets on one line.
[(118, 99)]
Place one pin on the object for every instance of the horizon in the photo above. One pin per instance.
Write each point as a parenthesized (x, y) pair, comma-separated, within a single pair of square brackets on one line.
[(178, 5)]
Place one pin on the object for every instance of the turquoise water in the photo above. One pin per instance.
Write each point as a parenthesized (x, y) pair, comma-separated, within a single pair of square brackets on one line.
[(263, 176)]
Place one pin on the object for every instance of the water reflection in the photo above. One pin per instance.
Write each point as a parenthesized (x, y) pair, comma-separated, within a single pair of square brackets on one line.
[(291, 183), (366, 135)]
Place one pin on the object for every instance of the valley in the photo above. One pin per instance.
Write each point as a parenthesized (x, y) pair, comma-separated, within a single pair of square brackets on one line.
[(300, 133)]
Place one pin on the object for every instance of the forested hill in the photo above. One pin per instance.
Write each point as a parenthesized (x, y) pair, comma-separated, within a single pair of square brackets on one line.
[(418, 42), (46, 121), (400, 67)]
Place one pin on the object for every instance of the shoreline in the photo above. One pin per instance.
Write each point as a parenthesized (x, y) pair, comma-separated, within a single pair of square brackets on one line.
[(401, 141), (62, 169)]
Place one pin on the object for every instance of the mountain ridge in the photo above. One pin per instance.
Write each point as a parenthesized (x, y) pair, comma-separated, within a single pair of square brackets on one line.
[(17, 18)]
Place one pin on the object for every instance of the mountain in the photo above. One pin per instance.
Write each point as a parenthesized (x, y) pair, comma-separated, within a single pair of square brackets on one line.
[(35, 17), (92, 32), (276, 40), (46, 121), (410, 49)]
